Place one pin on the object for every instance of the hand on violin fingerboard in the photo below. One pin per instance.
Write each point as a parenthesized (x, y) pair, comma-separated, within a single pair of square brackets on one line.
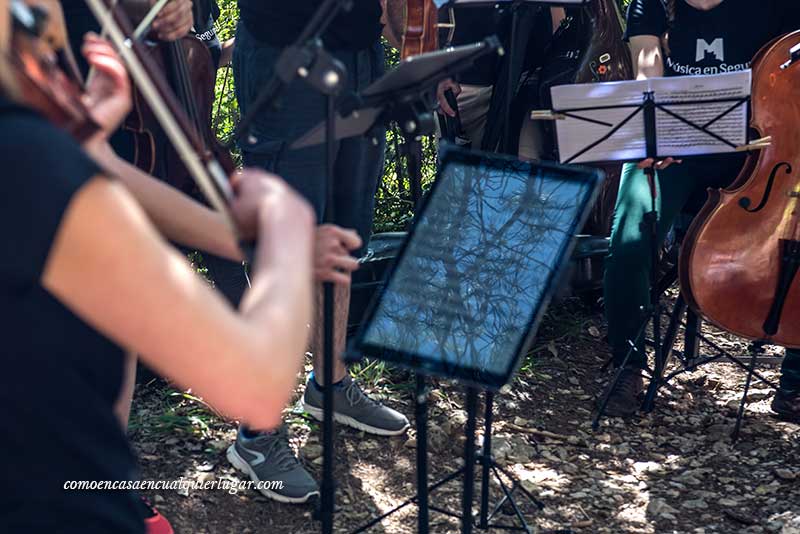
[(174, 21)]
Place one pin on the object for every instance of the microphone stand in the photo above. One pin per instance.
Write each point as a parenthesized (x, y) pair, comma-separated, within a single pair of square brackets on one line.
[(307, 59)]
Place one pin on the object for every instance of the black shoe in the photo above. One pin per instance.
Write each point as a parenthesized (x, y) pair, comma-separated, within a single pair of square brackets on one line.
[(624, 397), (787, 406)]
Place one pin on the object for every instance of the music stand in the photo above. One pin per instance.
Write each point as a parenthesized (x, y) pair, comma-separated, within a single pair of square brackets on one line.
[(467, 306), (652, 110), (405, 95)]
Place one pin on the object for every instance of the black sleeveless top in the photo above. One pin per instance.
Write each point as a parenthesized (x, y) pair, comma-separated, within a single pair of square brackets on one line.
[(60, 378)]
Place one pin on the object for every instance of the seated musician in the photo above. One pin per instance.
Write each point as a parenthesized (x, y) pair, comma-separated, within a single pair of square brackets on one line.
[(671, 39), (84, 273), (482, 89)]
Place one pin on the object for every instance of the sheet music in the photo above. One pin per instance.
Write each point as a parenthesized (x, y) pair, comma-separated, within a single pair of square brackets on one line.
[(582, 128), (574, 134), (676, 138)]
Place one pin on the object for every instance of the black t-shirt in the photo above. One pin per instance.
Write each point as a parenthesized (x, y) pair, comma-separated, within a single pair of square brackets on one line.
[(723, 39), (60, 378), (279, 22), (474, 24), (206, 13)]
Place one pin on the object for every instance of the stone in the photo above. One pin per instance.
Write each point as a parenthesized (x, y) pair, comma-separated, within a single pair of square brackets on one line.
[(657, 507), (205, 477), (695, 504), (312, 451)]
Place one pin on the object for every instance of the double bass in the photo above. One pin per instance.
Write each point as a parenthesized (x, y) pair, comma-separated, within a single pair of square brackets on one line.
[(740, 258)]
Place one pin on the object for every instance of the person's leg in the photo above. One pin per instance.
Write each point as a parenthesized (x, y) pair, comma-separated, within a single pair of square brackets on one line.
[(473, 108), (627, 267), (122, 408), (359, 165), (265, 455), (787, 400)]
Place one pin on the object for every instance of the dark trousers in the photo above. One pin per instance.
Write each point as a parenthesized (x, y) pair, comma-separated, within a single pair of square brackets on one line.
[(359, 160), (627, 280)]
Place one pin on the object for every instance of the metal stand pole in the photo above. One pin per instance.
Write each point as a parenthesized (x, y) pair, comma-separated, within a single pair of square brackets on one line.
[(651, 219), (756, 348), (511, 88), (469, 461), (421, 422), (486, 459), (328, 485)]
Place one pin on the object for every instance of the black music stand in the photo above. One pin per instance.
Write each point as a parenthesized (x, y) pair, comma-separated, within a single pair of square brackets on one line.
[(466, 306), (405, 95), (652, 316)]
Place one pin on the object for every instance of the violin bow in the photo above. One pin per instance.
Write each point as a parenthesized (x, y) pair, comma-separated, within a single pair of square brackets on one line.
[(206, 171)]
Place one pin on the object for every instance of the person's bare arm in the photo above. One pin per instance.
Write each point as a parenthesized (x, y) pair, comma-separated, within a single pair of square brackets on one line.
[(226, 55), (647, 56), (177, 216), (111, 268), (648, 62)]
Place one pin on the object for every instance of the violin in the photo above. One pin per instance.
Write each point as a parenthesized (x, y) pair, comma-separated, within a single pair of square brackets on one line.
[(191, 73), (740, 258), (40, 80)]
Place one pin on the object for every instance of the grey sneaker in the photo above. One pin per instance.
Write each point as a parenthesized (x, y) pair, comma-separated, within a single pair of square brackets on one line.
[(352, 407), (269, 462)]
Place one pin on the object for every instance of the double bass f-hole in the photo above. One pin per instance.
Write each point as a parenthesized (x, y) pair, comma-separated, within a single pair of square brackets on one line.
[(745, 201)]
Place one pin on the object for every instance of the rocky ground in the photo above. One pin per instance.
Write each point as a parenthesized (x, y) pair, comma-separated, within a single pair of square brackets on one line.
[(674, 470)]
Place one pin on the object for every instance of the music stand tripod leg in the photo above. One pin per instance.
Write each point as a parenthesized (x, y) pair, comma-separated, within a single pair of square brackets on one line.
[(490, 467), (756, 348), (469, 461), (670, 335)]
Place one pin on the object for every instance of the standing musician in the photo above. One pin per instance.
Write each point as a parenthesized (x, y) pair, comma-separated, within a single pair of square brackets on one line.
[(673, 38), (84, 272), (265, 28)]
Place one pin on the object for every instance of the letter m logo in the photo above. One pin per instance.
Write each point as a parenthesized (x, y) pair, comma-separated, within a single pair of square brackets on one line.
[(715, 48)]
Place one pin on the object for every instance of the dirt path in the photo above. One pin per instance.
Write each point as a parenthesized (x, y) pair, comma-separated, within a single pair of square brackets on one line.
[(671, 471)]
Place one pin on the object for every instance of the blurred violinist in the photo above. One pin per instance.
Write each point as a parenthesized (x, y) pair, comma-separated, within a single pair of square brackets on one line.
[(85, 272)]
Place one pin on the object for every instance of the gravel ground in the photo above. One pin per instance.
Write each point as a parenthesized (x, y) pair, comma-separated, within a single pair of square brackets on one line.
[(674, 470)]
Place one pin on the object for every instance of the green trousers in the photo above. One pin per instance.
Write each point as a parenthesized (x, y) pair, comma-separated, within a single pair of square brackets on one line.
[(627, 269)]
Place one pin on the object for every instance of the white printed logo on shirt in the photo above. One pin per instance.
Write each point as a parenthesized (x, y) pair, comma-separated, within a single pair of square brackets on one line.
[(715, 48)]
